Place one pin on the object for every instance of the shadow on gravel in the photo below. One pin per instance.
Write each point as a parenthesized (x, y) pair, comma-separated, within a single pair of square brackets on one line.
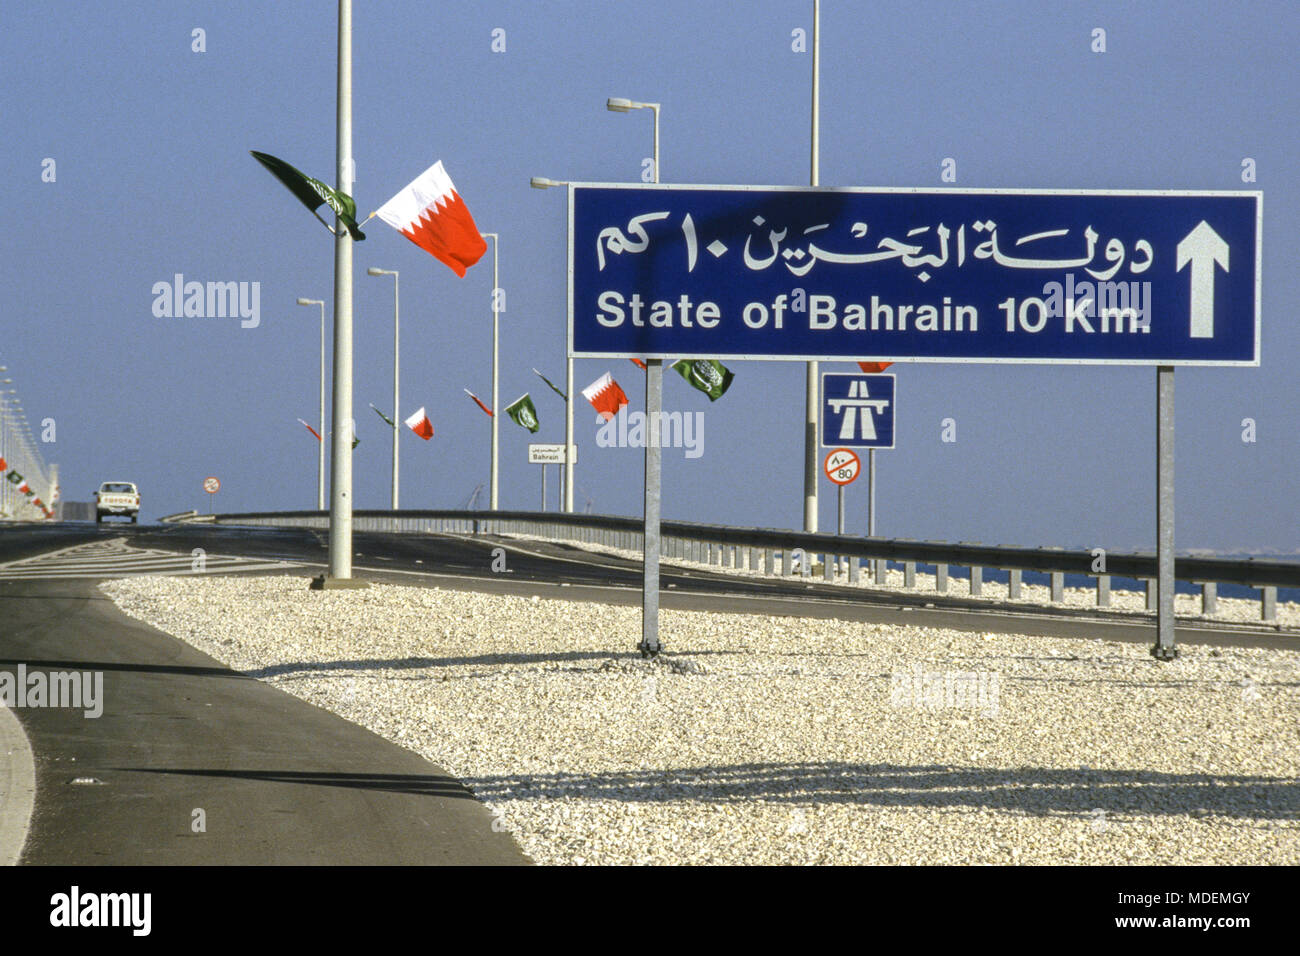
[(1032, 790), (416, 663), (432, 785)]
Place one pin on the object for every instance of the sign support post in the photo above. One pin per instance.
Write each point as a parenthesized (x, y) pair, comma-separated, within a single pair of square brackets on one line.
[(654, 387), (543, 487), (871, 493), (1164, 648)]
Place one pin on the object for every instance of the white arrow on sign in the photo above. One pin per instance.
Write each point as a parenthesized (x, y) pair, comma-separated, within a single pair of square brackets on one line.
[(1203, 247)]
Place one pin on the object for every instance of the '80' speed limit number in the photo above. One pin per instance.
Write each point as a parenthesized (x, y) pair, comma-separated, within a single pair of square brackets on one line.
[(842, 466)]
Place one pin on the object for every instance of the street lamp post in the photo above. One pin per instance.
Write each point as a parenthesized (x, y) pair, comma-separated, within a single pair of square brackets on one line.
[(541, 182), (339, 573), (654, 384), (4, 429), (396, 339), (810, 379), (494, 468), (4, 445), (320, 465)]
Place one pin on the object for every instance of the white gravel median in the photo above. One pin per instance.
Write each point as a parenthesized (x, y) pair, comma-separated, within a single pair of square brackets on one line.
[(782, 740)]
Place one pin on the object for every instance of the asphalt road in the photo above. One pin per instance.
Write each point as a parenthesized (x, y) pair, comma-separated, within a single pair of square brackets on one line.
[(277, 780)]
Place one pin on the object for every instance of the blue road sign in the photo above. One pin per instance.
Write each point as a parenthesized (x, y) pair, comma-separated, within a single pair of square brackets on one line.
[(994, 275), (857, 410)]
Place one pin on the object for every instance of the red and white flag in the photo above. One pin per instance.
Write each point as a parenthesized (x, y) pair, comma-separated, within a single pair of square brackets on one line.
[(432, 215), (4, 465), (605, 395), (420, 424), (310, 429), (873, 367), (638, 363), (477, 402)]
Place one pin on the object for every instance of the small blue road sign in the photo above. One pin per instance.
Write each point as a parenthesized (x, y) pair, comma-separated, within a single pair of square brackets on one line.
[(857, 410)]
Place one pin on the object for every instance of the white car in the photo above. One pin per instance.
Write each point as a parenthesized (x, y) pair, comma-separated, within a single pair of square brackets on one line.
[(117, 498)]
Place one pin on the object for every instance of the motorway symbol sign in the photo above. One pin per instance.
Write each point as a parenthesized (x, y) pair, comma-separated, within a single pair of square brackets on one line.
[(842, 466), (857, 410), (211, 485), (1137, 277)]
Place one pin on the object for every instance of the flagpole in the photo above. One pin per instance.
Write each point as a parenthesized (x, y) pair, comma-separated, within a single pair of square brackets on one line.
[(340, 544), (375, 271), (567, 479), (492, 496), (320, 451), (396, 412)]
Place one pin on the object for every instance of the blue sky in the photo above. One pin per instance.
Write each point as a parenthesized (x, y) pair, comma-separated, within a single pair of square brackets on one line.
[(151, 143)]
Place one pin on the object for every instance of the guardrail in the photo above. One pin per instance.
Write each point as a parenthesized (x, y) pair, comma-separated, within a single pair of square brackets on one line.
[(775, 551)]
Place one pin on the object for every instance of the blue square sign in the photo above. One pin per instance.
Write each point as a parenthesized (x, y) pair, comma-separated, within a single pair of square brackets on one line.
[(857, 410)]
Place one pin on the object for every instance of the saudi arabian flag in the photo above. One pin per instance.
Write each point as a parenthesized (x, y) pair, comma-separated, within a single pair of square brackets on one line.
[(312, 193), (524, 412), (552, 384), (391, 423), (14, 478), (708, 375)]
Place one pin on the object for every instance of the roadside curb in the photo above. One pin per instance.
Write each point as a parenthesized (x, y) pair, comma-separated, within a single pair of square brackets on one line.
[(17, 787)]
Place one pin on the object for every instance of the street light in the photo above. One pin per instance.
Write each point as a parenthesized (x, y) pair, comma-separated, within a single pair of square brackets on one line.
[(617, 104), (372, 271), (541, 182), (493, 470), (811, 382), (654, 390), (4, 430), (320, 467)]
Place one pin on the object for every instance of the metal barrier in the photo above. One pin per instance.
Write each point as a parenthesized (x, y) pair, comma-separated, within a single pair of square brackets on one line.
[(759, 549)]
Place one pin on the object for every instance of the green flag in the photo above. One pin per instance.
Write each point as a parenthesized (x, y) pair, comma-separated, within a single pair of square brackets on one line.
[(391, 423), (523, 412), (15, 478), (708, 375), (355, 440), (548, 382), (312, 192)]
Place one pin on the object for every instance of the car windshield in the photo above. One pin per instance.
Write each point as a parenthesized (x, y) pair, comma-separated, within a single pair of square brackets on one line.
[(118, 487)]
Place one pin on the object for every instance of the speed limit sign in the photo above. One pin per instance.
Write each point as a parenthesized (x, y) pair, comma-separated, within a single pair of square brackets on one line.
[(212, 485), (842, 466)]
